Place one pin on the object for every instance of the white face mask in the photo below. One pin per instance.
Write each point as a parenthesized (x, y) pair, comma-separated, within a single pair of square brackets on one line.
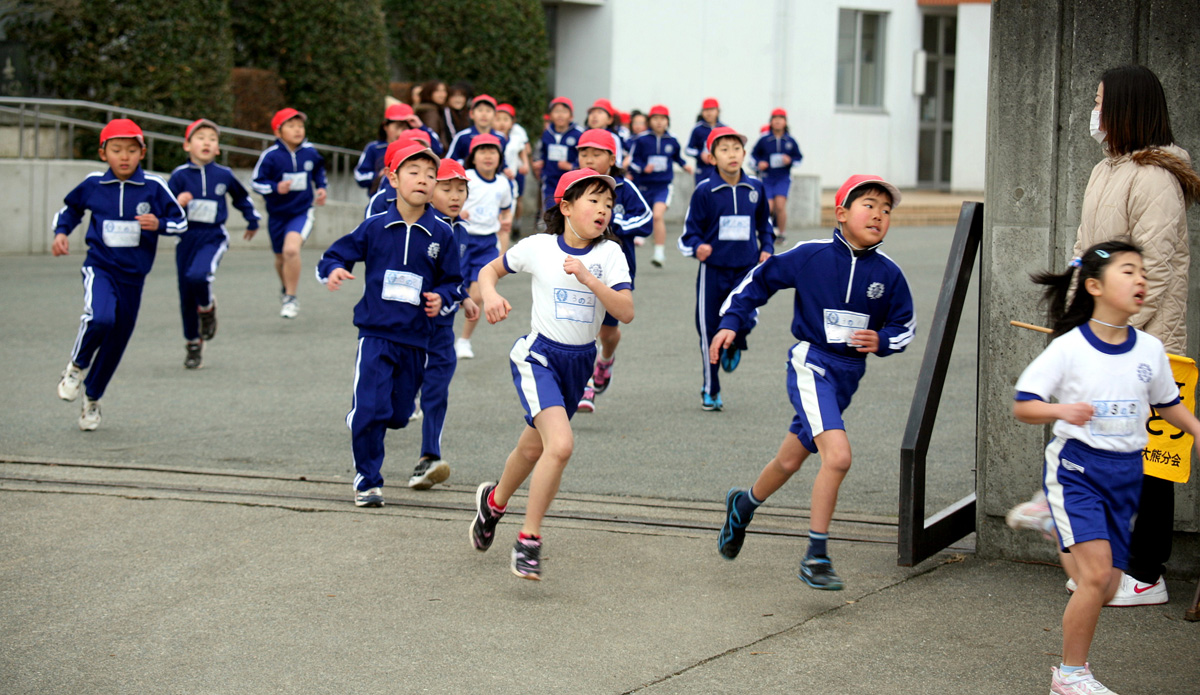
[(1094, 126)]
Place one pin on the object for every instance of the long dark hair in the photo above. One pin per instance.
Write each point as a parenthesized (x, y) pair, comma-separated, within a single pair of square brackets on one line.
[(1091, 264), (556, 223), (1134, 110)]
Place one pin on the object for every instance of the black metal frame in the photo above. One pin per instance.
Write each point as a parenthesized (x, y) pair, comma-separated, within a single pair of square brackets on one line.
[(921, 537)]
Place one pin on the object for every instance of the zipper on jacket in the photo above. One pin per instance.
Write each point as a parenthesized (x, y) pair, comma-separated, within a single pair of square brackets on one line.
[(407, 235), (121, 203), (203, 183), (853, 261)]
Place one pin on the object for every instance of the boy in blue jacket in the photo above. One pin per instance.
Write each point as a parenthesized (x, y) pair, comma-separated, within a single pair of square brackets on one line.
[(130, 209), (851, 300), (653, 155), (728, 229), (483, 113), (412, 272), (557, 154), (200, 186), (290, 175)]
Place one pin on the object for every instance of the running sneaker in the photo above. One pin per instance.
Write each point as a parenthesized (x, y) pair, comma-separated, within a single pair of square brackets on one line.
[(1131, 592), (817, 572), (1033, 515), (527, 558), (1078, 683), (730, 359), (602, 374), (462, 349), (194, 359), (430, 471), (68, 386), (733, 532), (483, 527), (208, 320), (587, 404), (708, 402), (658, 259), (89, 418), (372, 497), (289, 307)]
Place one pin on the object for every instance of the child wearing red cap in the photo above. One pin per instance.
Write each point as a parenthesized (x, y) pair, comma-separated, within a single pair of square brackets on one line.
[(557, 154), (850, 301), (579, 273), (728, 229), (483, 116), (290, 176), (603, 115), (369, 172), (516, 155), (776, 152), (412, 272), (653, 156), (200, 185), (129, 210), (708, 118), (488, 216)]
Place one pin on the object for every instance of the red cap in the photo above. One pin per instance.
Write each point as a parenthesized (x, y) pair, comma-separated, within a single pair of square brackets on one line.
[(507, 108), (398, 112), (779, 112), (710, 103), (723, 132), (564, 101), (604, 105), (765, 128), (860, 179), (573, 177), (187, 133), (284, 115), (122, 128), (450, 169), (485, 139), (660, 110), (598, 138), (625, 117), (483, 99), (545, 117), (402, 149), (393, 147), (417, 135)]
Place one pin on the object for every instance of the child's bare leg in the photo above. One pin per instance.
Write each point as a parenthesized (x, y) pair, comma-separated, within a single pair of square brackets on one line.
[(779, 210), (1068, 563), (477, 297), (610, 337), (279, 271), (660, 224), (290, 271), (519, 465), (1097, 582), (557, 444), (780, 469), (834, 447)]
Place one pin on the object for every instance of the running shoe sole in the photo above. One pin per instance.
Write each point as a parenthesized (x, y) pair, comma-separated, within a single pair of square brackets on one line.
[(722, 543), (435, 474), (481, 495)]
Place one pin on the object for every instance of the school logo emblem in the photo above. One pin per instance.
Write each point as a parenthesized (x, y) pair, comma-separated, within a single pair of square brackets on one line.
[(143, 208), (571, 141), (1144, 372), (596, 270), (560, 295), (434, 249), (875, 290), (669, 149), (753, 196), (618, 210), (220, 190), (308, 165)]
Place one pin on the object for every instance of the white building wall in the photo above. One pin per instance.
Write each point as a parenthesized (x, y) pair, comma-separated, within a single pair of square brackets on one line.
[(584, 53), (970, 97)]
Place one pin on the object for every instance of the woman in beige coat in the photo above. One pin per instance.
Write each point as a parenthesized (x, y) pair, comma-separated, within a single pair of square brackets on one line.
[(1139, 193)]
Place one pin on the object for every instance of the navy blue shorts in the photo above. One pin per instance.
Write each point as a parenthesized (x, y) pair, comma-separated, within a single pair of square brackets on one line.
[(519, 189), (820, 386), (657, 193), (279, 227), (1093, 494), (481, 250), (777, 187), (548, 373)]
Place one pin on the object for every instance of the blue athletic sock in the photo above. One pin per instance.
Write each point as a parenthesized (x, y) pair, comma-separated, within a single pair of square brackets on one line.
[(816, 544), (1068, 670), (745, 505)]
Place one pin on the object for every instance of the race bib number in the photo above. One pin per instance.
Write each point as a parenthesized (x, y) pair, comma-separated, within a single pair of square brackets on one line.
[(203, 211), (659, 162), (121, 233), (299, 180), (776, 161), (840, 325), (556, 153), (574, 305), (1114, 418), (734, 228), (399, 286)]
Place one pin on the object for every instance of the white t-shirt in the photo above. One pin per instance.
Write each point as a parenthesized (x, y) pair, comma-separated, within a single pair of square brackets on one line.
[(485, 199), (564, 309), (517, 140), (1120, 381)]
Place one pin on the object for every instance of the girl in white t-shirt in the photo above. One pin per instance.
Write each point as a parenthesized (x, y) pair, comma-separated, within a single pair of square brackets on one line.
[(1105, 376), (579, 273)]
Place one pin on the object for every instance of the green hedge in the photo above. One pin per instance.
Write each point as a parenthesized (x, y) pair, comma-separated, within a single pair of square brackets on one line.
[(500, 46)]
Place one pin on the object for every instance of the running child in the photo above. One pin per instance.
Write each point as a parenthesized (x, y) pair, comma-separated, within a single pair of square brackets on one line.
[(603, 115), (129, 210), (369, 172), (200, 186), (516, 155), (488, 217), (483, 116), (448, 198), (290, 176), (412, 272), (653, 156), (579, 273), (728, 229), (1105, 376), (776, 153), (385, 197), (708, 118), (851, 300), (630, 220), (557, 154)]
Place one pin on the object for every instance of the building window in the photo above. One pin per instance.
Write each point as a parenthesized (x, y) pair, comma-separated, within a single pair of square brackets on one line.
[(860, 53)]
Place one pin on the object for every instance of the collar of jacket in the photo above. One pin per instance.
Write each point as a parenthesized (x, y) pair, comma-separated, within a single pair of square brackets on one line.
[(138, 177), (845, 244), (425, 222), (725, 184)]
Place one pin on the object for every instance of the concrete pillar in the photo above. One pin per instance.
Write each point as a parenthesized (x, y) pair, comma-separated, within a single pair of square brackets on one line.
[(1046, 60)]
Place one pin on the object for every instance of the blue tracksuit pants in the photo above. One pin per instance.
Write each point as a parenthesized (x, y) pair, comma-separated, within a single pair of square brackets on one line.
[(110, 309), (196, 259), (435, 391), (713, 285), (387, 377)]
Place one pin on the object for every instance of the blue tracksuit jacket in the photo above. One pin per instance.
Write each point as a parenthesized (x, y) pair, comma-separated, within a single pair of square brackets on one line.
[(631, 218), (211, 182), (734, 220), (370, 162), (768, 145), (446, 317), (648, 145), (276, 161), (568, 138), (696, 144), (460, 147)]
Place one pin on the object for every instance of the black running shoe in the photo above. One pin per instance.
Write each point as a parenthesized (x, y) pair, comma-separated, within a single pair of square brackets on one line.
[(527, 558), (733, 532), (195, 356), (817, 572), (430, 471), (208, 321), (483, 528)]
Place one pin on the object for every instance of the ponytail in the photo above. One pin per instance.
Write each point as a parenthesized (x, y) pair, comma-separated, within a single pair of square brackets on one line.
[(1064, 316)]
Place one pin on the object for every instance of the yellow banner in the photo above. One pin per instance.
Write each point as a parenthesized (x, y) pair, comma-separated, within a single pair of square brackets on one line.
[(1168, 454)]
